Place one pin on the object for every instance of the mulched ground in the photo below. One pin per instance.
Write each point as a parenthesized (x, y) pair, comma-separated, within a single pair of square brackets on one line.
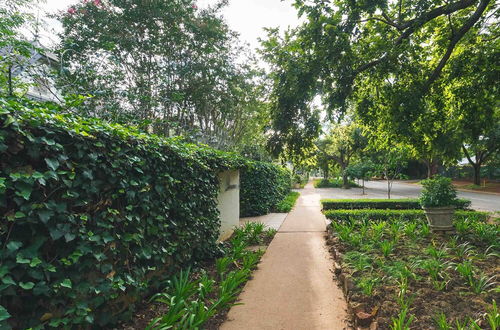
[(456, 300)]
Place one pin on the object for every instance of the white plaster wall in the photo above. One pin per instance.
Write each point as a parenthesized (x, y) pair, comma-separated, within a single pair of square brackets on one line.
[(228, 202)]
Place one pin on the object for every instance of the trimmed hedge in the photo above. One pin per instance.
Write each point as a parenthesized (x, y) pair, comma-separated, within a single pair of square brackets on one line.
[(380, 215), (262, 187), (94, 216), (333, 183), (393, 204)]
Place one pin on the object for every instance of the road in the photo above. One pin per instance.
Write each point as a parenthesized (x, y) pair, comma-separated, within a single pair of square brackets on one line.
[(378, 189)]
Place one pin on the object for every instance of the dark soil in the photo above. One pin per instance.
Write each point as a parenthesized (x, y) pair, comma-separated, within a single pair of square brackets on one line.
[(457, 300)]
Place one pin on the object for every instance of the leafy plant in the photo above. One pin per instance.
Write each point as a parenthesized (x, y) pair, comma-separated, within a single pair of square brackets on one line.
[(403, 321), (438, 192), (493, 316), (366, 284), (287, 203), (386, 247), (222, 265), (442, 322)]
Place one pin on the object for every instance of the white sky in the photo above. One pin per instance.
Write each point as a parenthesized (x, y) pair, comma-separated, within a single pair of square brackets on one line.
[(247, 17)]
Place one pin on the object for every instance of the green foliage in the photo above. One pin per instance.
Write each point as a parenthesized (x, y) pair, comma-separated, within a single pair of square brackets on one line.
[(393, 204), (166, 65), (333, 183), (380, 215), (262, 187), (437, 192), (95, 215), (192, 300), (287, 203)]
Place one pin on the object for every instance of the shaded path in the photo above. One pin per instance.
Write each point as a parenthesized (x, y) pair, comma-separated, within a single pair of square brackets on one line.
[(293, 287)]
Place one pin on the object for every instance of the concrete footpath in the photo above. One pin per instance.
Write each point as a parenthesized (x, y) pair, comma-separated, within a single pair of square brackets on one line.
[(293, 288)]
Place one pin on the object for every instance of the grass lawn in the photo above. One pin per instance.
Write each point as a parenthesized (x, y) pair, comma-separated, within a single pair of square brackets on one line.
[(399, 273), (489, 187)]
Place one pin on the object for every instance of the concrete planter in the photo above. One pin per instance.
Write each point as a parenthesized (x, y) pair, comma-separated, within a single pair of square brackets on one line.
[(440, 218)]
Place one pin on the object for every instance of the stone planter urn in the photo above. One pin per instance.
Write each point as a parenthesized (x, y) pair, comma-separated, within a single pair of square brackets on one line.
[(440, 218)]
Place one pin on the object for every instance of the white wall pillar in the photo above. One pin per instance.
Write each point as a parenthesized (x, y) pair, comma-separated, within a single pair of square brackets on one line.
[(228, 202)]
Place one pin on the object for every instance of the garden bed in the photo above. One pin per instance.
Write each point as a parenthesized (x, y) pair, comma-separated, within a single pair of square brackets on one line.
[(202, 297), (397, 272)]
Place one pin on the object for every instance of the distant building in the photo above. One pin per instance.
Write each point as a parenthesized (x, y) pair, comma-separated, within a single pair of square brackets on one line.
[(36, 72)]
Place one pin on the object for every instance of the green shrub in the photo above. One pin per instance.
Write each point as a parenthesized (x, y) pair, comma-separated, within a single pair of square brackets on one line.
[(438, 192), (333, 183), (287, 203), (393, 204), (94, 215), (380, 215), (262, 187)]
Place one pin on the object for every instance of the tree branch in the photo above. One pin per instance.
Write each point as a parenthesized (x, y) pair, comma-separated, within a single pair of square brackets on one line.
[(467, 155), (454, 40), (410, 26)]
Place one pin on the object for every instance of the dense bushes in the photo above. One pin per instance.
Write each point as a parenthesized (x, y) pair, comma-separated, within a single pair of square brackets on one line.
[(368, 214), (394, 204), (94, 215), (262, 187)]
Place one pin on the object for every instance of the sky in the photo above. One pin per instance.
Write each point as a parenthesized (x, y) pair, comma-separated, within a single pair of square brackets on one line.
[(247, 17)]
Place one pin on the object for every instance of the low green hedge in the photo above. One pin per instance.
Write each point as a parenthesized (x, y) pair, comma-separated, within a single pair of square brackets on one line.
[(393, 204), (262, 187), (380, 215), (333, 183), (94, 215), (287, 203)]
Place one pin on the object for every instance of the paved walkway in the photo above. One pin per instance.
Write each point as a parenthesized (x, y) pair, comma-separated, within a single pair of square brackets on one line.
[(271, 220), (293, 287)]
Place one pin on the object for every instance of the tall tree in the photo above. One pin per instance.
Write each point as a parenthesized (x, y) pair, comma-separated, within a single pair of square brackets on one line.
[(341, 145), (15, 48), (405, 43), (166, 64), (472, 98)]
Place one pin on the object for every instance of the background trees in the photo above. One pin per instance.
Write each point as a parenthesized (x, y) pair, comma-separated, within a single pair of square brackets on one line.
[(167, 65), (400, 65), (341, 144)]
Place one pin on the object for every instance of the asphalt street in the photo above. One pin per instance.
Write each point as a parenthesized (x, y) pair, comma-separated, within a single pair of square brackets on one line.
[(378, 189)]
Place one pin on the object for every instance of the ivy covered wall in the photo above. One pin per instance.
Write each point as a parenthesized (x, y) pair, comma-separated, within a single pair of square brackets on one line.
[(94, 216)]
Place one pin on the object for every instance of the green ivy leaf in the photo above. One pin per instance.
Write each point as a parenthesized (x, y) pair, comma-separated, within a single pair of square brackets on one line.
[(45, 215), (8, 280), (35, 262), (53, 164), (14, 245), (24, 190), (4, 315), (21, 260), (27, 285), (67, 283)]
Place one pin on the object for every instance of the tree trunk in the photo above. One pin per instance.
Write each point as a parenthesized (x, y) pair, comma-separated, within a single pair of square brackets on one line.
[(388, 188), (11, 87), (477, 174), (363, 186), (345, 180)]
